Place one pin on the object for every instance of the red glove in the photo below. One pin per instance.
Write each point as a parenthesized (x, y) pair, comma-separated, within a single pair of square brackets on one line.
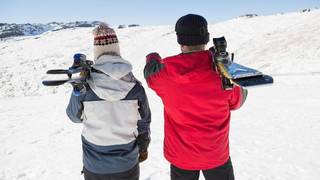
[(153, 56)]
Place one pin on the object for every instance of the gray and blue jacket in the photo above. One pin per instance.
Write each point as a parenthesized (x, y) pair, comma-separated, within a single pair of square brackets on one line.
[(114, 111)]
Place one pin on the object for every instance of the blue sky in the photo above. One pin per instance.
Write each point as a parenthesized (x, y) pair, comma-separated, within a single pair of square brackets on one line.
[(145, 12)]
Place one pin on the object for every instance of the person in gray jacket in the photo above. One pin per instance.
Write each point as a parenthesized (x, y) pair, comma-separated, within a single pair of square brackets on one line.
[(114, 112)]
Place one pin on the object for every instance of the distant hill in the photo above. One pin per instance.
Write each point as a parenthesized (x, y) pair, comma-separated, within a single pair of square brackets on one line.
[(13, 30)]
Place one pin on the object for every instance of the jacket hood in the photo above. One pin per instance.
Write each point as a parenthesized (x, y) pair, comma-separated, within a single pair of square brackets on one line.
[(115, 80), (188, 67)]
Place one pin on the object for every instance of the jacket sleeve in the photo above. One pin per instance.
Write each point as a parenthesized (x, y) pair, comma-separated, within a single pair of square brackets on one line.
[(145, 114), (238, 97), (152, 71), (143, 138), (75, 108)]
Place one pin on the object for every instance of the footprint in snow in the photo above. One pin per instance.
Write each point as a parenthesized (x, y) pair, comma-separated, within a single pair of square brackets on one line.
[(59, 131), (11, 152), (34, 142), (21, 175)]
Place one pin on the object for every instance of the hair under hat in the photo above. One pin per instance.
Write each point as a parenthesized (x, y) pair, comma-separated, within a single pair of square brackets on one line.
[(105, 41), (192, 29)]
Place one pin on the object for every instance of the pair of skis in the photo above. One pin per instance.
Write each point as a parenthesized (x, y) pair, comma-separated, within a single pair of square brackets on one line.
[(69, 73), (80, 66)]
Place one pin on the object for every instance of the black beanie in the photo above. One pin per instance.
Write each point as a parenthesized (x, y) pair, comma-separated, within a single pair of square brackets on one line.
[(192, 29)]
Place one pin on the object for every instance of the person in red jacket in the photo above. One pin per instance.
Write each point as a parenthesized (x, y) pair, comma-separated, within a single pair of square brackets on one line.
[(196, 107)]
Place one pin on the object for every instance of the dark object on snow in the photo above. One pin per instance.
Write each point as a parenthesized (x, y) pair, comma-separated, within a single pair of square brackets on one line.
[(306, 10), (133, 25), (249, 15), (121, 26)]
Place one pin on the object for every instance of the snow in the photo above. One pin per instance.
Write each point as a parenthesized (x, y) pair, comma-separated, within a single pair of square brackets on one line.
[(274, 136)]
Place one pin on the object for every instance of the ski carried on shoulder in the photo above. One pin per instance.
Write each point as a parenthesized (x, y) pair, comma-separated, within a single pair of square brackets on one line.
[(63, 81), (245, 76), (66, 71), (80, 66), (233, 73)]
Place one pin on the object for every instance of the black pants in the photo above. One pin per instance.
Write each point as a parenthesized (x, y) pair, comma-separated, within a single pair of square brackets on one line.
[(132, 174), (224, 172)]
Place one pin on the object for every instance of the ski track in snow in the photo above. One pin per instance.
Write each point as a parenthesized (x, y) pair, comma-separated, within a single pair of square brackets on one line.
[(275, 136)]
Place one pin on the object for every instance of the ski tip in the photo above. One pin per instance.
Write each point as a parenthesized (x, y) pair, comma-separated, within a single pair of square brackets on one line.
[(255, 81), (57, 71), (53, 82)]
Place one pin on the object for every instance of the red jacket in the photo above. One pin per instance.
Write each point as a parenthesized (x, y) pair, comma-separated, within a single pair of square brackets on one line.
[(196, 109)]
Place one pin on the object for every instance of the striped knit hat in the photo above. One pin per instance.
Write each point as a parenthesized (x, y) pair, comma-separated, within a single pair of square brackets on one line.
[(105, 41)]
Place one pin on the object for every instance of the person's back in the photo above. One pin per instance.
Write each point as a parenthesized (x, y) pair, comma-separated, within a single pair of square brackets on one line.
[(114, 112), (196, 107)]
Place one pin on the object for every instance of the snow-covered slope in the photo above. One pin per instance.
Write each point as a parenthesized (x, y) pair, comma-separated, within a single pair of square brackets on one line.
[(279, 44), (275, 136)]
